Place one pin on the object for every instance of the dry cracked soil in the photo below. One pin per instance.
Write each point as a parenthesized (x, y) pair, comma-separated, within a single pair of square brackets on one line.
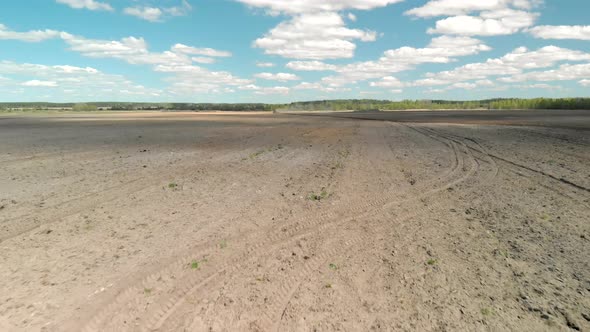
[(295, 222)]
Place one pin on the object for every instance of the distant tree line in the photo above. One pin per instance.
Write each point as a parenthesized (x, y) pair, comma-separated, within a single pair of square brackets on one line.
[(492, 104), (334, 105)]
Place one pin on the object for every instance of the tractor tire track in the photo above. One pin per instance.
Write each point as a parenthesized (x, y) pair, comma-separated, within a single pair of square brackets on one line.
[(179, 299)]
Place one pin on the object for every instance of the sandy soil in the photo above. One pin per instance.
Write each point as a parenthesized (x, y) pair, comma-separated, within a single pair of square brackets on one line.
[(224, 222)]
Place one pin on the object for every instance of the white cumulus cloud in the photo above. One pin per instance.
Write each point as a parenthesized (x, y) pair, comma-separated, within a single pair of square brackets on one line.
[(277, 90), (265, 64), (478, 18), (310, 66), (151, 14), (29, 36), (512, 65), (157, 14), (313, 36), (580, 32), (307, 6), (209, 52), (501, 22), (281, 77), (38, 83), (86, 4)]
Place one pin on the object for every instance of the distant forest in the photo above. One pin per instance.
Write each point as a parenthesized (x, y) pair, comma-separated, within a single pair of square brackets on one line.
[(492, 104), (333, 105)]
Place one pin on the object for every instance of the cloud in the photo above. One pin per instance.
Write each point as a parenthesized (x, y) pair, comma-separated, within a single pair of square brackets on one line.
[(388, 82), (85, 81), (151, 14), (135, 51), (209, 52), (37, 83), (585, 82), (157, 14), (566, 72), (265, 64), (203, 60), (86, 4), (29, 36), (281, 77), (186, 78), (318, 87), (496, 17), (462, 7), (181, 10), (314, 36), (441, 50), (561, 32), (130, 49), (250, 87), (310, 6), (513, 63), (310, 66), (494, 23), (315, 29), (277, 90), (539, 86)]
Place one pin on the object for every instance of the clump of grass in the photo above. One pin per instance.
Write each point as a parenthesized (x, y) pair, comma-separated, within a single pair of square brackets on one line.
[(502, 253), (333, 266), (343, 153), (261, 152), (256, 154), (318, 197), (194, 265), (328, 285), (147, 291), (337, 166), (486, 311), (223, 244), (172, 185), (262, 279), (431, 261)]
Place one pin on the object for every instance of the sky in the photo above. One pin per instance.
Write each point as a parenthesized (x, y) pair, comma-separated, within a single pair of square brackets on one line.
[(278, 51)]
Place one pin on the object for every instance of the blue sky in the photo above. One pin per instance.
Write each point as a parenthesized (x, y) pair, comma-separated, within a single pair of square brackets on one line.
[(289, 50)]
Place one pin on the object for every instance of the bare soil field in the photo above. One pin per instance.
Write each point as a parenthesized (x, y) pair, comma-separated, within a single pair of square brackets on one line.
[(285, 222)]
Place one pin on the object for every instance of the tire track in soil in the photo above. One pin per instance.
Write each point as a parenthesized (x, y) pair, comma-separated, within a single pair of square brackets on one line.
[(560, 137), (485, 154), (229, 239), (57, 212), (455, 167), (174, 307), (27, 223), (419, 214), (515, 167), (276, 235), (527, 287), (273, 317)]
